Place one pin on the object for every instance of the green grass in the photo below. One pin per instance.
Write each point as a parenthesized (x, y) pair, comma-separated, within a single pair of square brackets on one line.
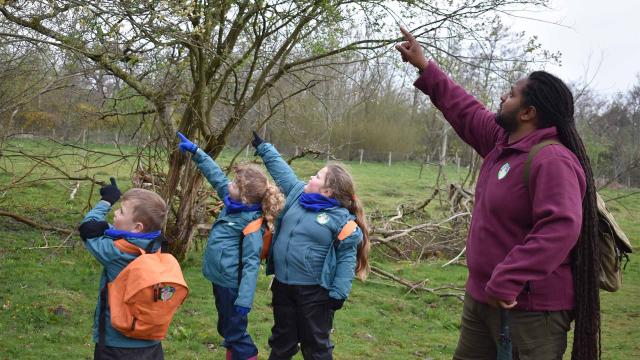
[(47, 297)]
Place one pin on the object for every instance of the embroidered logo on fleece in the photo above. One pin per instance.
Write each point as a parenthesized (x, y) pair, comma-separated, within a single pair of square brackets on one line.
[(322, 218), (504, 169)]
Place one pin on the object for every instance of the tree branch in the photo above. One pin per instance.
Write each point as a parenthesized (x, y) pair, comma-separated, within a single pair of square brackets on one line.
[(33, 223)]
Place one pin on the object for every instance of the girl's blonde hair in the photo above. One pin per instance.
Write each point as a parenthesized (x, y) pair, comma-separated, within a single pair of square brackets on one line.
[(254, 188), (341, 183)]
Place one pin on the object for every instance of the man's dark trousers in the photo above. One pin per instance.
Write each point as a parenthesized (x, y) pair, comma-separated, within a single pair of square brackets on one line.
[(534, 334)]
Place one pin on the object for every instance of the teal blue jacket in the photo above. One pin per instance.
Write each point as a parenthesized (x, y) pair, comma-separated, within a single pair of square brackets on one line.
[(221, 257), (113, 260), (305, 249)]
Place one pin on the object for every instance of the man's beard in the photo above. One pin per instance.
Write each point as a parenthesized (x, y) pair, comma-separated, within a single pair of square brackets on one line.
[(507, 121)]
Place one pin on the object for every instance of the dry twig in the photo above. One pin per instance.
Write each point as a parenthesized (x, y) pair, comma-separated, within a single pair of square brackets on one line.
[(458, 294)]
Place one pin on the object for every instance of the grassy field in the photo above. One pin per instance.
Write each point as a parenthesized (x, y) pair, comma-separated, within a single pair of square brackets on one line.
[(48, 296)]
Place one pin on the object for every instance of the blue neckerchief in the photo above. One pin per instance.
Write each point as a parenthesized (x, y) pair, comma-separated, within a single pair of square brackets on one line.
[(234, 206), (115, 233), (316, 202)]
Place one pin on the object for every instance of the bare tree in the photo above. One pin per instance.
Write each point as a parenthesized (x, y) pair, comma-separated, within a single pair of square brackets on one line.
[(203, 65)]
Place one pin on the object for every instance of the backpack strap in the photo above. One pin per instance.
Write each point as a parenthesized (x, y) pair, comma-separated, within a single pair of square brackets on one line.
[(347, 230), (251, 227), (102, 320), (267, 237), (130, 248), (532, 153), (127, 247), (344, 233)]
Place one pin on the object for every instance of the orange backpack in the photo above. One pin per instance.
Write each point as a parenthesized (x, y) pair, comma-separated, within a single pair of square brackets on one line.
[(146, 294)]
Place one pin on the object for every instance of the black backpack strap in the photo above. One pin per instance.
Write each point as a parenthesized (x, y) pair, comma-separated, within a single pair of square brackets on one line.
[(102, 320), (532, 153), (240, 264)]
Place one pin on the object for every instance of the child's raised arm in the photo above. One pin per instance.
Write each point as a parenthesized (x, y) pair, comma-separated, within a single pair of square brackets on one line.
[(95, 220), (280, 171), (207, 166), (94, 225)]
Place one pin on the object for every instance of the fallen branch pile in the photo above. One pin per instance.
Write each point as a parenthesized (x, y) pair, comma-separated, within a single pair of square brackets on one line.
[(411, 234)]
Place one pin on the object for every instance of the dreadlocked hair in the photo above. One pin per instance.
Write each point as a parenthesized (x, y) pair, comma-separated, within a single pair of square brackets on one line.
[(255, 188), (553, 102), (341, 183)]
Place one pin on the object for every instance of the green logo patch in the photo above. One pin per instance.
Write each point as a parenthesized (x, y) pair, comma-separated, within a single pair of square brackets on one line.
[(322, 218)]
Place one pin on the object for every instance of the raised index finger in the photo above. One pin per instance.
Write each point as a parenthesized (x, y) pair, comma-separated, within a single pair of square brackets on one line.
[(407, 35), (182, 137), (113, 181)]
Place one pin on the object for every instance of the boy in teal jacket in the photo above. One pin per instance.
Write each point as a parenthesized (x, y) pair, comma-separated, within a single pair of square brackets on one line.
[(319, 245), (138, 220), (232, 259)]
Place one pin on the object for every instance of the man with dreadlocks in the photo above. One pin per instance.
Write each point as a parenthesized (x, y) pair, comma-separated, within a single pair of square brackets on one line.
[(531, 247)]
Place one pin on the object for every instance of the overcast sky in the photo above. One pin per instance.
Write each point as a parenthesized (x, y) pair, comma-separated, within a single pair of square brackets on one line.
[(594, 32)]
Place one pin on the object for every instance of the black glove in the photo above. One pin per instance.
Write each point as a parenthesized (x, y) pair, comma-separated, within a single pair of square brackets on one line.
[(110, 193), (92, 229), (257, 140), (335, 304)]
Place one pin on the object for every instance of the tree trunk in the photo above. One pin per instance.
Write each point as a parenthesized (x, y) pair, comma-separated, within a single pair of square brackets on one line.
[(443, 152), (182, 223), (183, 184)]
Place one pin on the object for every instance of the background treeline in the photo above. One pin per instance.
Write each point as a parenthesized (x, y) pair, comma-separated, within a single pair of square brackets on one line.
[(364, 106)]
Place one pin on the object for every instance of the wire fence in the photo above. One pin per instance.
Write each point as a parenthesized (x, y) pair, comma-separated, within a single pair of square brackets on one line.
[(328, 153)]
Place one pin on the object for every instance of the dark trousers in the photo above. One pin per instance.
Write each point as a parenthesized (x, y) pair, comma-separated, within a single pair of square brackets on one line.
[(302, 316), (116, 353), (233, 326), (534, 334)]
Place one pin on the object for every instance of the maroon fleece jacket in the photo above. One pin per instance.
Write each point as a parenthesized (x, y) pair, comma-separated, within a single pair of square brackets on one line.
[(520, 240)]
